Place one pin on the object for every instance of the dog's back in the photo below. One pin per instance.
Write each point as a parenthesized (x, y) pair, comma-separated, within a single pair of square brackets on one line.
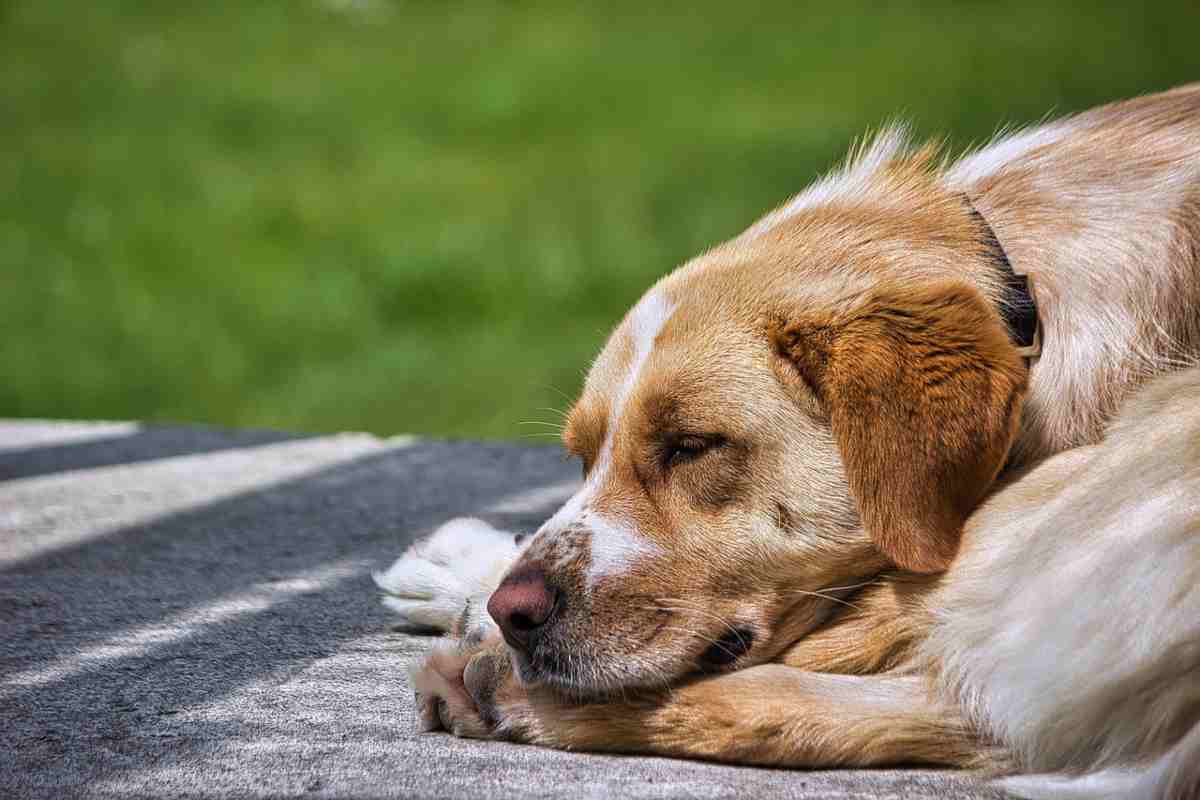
[(1070, 624)]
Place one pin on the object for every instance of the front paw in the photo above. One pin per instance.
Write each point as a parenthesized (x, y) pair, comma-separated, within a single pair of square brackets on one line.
[(469, 689), (438, 580), (472, 691)]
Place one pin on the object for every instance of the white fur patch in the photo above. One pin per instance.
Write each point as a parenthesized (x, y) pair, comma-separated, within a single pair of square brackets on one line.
[(432, 582), (853, 180), (614, 544), (1095, 786), (1175, 775), (570, 510), (615, 547), (1004, 150), (649, 317)]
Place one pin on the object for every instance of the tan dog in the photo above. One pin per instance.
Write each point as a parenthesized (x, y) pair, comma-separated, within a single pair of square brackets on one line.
[(783, 440)]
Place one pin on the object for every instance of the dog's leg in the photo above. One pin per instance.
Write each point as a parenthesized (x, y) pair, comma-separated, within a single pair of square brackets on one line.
[(442, 582), (774, 714), (769, 715), (875, 631)]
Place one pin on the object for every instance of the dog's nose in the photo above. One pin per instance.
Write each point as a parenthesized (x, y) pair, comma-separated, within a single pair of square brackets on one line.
[(522, 605)]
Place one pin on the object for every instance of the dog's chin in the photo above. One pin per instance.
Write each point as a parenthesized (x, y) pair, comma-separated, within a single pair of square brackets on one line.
[(583, 676), (586, 677)]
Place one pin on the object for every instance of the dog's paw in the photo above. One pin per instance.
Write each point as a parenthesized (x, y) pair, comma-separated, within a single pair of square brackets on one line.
[(438, 580), (469, 689)]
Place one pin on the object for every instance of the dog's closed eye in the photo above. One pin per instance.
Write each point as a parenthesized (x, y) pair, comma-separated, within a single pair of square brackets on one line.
[(680, 449)]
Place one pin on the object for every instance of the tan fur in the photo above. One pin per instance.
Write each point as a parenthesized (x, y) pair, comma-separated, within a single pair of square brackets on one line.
[(844, 393), (770, 715), (1106, 220), (875, 632)]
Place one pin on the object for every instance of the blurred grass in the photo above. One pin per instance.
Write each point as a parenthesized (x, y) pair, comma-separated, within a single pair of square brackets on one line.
[(405, 216)]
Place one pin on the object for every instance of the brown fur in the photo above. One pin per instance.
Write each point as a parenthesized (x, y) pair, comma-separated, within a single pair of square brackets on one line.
[(926, 377)]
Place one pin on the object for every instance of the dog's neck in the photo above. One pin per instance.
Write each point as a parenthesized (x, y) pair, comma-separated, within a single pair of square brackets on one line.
[(1098, 283)]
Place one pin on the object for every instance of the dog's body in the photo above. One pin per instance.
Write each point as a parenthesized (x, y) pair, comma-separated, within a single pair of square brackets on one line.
[(1068, 627), (788, 444)]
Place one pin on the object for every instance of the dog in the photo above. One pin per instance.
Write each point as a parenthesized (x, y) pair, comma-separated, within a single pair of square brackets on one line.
[(908, 472)]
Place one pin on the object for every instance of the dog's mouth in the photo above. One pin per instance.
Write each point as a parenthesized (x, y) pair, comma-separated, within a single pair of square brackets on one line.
[(569, 676), (725, 651), (657, 651), (585, 671)]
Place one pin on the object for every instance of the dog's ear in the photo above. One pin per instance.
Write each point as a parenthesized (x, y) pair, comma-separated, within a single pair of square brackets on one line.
[(923, 390)]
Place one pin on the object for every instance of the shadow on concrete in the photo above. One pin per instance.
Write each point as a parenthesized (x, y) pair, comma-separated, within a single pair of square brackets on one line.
[(75, 722)]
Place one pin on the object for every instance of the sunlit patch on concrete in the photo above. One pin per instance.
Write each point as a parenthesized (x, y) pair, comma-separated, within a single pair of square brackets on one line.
[(104, 500), (138, 642), (28, 434)]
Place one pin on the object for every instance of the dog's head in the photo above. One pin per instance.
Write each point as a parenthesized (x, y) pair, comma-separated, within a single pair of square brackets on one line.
[(826, 396)]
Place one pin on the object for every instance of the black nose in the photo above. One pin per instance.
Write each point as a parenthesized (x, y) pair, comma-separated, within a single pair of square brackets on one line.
[(522, 605)]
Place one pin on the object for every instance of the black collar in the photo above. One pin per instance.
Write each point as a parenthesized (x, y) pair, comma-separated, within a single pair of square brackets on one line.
[(1018, 306)]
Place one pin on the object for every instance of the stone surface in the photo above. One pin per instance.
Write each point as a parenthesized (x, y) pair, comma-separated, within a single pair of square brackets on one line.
[(189, 612)]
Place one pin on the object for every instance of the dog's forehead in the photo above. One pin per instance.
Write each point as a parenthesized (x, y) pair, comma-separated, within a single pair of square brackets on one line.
[(684, 341), (619, 368), (631, 343), (665, 318)]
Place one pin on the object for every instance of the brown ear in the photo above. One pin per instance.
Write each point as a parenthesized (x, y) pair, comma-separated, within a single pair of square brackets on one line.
[(923, 391)]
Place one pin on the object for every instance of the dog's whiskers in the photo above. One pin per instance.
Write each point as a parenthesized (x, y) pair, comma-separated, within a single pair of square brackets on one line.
[(560, 393), (559, 412), (873, 582), (558, 426), (693, 610), (716, 643), (830, 598)]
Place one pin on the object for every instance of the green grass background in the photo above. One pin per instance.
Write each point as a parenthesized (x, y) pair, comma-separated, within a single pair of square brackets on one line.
[(424, 217)]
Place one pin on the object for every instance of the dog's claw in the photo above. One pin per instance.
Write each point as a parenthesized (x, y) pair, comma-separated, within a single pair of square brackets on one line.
[(457, 688)]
